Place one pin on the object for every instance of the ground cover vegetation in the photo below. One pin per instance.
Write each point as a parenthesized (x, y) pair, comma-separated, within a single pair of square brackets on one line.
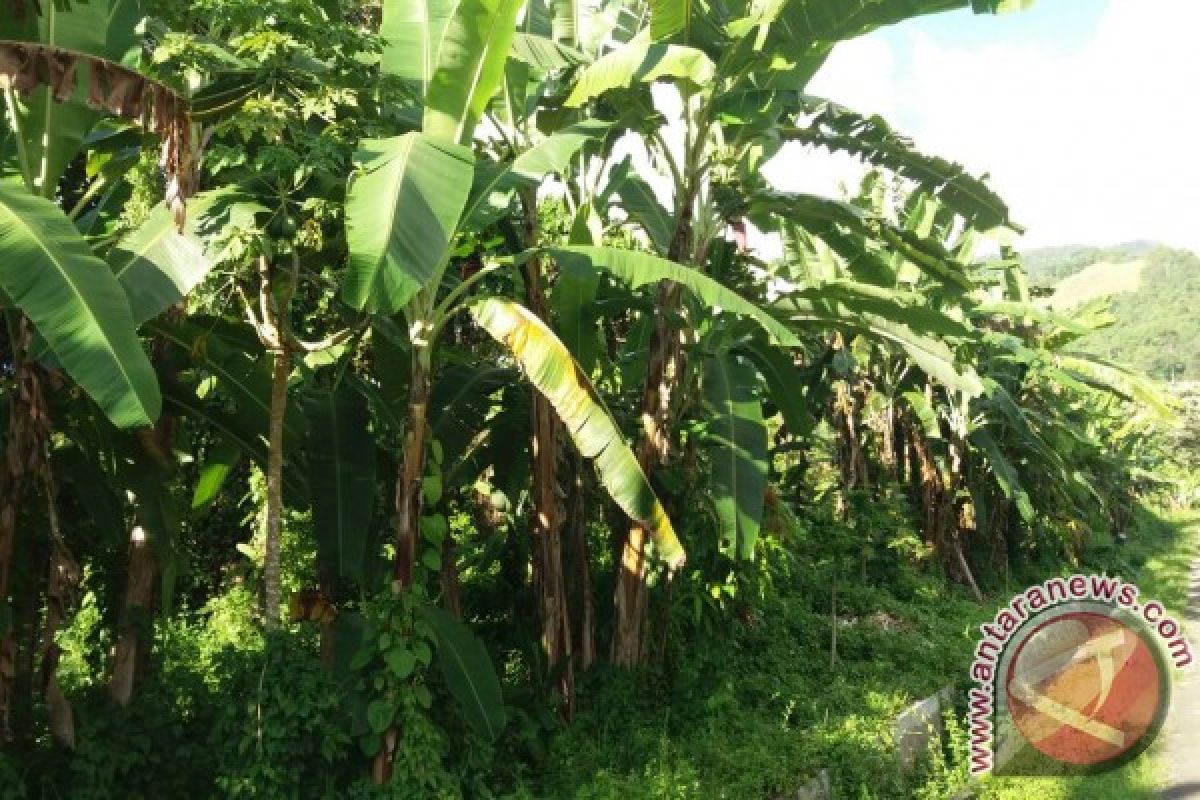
[(393, 408)]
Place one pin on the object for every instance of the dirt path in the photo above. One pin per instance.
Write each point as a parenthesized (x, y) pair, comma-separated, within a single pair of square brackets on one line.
[(1182, 733)]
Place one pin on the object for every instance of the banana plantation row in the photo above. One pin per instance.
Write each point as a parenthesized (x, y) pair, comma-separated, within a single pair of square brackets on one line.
[(377, 309)]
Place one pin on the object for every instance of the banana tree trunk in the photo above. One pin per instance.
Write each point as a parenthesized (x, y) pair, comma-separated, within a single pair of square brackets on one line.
[(927, 479), (20, 454), (139, 594), (549, 584), (581, 608), (662, 377), (62, 584), (663, 373), (409, 477)]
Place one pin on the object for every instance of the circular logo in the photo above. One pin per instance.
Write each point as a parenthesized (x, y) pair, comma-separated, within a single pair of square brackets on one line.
[(1087, 689)]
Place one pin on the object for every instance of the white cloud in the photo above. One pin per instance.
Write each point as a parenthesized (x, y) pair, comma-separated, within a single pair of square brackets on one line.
[(1095, 146)]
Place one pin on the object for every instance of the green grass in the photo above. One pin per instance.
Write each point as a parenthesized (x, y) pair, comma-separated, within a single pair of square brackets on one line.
[(754, 709)]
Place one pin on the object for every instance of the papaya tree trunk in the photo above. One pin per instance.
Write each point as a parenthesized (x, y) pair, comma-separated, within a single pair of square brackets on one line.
[(275, 331)]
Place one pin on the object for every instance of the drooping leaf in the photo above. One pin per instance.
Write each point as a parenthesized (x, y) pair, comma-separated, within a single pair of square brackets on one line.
[(401, 213), (871, 139), (835, 20), (218, 464), (1005, 473), (243, 375), (48, 271), (460, 404), (546, 54), (736, 442), (638, 269), (549, 366), (54, 130), (639, 201), (1107, 376), (929, 353), (785, 385), (470, 66), (341, 476), (468, 671)]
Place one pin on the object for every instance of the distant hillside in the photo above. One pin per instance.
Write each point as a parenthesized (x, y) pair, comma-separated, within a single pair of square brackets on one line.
[(1155, 298), (1049, 265)]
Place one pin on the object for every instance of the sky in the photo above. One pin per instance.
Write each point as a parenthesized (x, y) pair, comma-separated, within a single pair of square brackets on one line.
[(1085, 113)]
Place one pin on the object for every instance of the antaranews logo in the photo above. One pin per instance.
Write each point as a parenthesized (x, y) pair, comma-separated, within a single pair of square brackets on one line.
[(1072, 676)]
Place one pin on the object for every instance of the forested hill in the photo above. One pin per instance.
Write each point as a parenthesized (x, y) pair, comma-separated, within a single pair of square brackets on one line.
[(1155, 294)]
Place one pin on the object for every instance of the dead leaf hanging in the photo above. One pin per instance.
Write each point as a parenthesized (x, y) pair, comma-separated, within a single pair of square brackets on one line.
[(118, 90)]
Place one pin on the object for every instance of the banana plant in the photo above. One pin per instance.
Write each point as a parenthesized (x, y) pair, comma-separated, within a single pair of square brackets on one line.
[(740, 73)]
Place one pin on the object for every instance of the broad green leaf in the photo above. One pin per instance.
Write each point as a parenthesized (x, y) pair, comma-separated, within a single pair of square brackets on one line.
[(573, 298), (461, 403), (242, 372), (670, 16), (549, 366), (157, 264), (930, 354), (470, 66), (401, 213), (185, 403), (1107, 376), (830, 219), (412, 33), (638, 269), (736, 442), (341, 476), (640, 61), (469, 674), (495, 183), (554, 153), (48, 271)]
